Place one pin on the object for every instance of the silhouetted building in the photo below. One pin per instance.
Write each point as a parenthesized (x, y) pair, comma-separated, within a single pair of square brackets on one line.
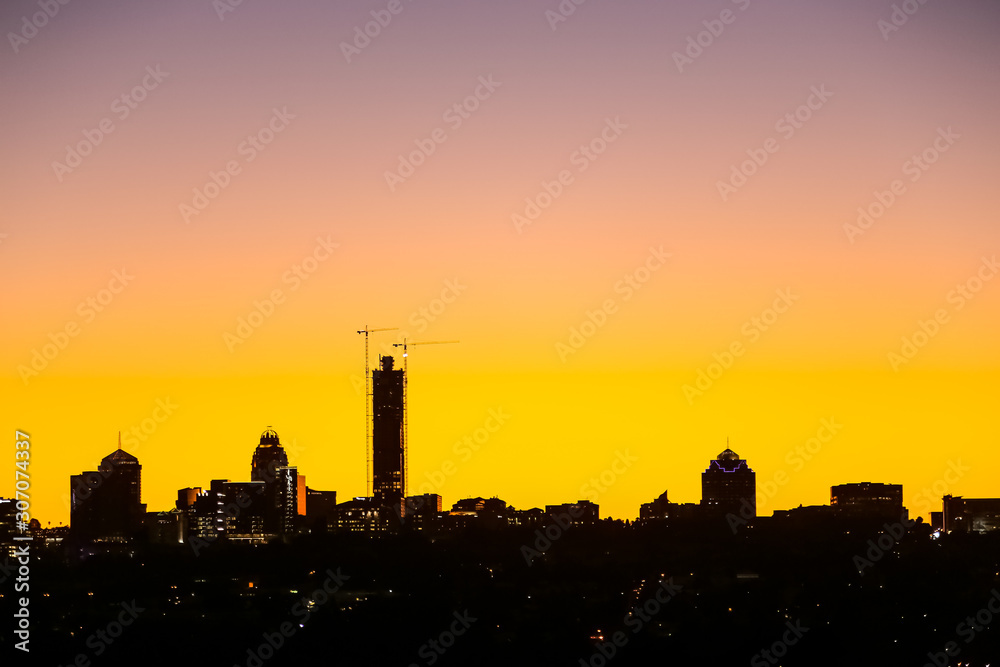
[(8, 526), (388, 464), (423, 504), (165, 527), (364, 515), (477, 512), (662, 509), (729, 485), (423, 512), (869, 498), (476, 505), (243, 506), (227, 510), (105, 504), (658, 509), (268, 458), (530, 518), (970, 515), (321, 508), (580, 513)]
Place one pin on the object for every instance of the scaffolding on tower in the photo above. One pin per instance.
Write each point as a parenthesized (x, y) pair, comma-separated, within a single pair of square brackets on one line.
[(368, 405)]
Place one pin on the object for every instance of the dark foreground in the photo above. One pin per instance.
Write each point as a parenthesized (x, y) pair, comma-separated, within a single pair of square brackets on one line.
[(614, 595)]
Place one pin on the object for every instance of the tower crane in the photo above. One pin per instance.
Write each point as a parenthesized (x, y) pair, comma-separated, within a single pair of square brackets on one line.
[(406, 409), (368, 403)]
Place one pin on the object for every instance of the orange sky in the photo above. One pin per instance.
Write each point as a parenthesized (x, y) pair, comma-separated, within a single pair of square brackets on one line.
[(309, 217)]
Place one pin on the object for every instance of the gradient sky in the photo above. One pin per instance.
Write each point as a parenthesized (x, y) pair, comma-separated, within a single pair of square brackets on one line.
[(520, 291)]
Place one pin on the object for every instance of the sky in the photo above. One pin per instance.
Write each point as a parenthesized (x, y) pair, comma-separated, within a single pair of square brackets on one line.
[(654, 228)]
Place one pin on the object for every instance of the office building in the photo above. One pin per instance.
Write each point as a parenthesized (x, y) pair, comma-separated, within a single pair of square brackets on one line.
[(388, 464), (729, 485)]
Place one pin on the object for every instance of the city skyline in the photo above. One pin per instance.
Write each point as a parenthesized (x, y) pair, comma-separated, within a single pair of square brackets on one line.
[(716, 492), (651, 226)]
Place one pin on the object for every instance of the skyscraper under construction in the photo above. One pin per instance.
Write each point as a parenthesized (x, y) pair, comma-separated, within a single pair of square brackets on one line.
[(388, 462)]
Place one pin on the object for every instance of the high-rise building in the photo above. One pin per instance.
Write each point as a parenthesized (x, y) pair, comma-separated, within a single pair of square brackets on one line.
[(291, 498), (243, 510), (729, 485), (106, 504), (388, 464), (268, 457)]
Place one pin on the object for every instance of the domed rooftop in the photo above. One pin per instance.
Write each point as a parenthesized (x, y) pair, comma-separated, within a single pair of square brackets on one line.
[(728, 455), (269, 437)]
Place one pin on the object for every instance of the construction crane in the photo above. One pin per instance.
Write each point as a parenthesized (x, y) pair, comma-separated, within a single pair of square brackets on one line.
[(406, 410), (368, 404)]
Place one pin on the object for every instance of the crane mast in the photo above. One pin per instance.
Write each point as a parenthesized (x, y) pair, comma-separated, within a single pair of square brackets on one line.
[(368, 405), (406, 408)]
